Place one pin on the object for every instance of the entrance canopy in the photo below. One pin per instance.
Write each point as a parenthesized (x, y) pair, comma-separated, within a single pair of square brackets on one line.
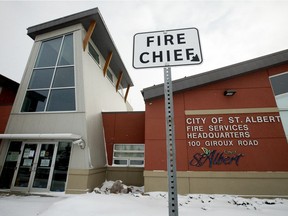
[(53, 136)]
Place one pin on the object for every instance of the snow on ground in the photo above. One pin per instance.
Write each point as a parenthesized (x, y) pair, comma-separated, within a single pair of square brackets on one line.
[(101, 202), (13, 205)]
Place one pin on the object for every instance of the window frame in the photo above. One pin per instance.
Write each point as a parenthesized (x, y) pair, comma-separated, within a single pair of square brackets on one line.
[(283, 110), (54, 68), (110, 76), (92, 46), (128, 159), (121, 90)]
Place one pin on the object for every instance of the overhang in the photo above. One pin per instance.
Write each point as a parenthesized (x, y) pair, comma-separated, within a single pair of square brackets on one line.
[(219, 74), (101, 37), (53, 136)]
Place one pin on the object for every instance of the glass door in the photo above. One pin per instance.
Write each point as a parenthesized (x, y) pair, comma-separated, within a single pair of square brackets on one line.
[(44, 167), (25, 167), (35, 167), (10, 164)]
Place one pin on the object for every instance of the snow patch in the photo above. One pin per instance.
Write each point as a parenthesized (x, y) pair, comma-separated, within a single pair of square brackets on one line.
[(118, 187), (103, 202)]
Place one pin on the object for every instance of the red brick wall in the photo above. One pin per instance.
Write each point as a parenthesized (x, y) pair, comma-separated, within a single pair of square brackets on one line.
[(123, 128), (7, 96), (262, 146), (4, 116)]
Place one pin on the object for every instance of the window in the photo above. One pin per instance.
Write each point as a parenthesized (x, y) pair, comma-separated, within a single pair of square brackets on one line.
[(52, 84), (280, 89), (120, 90), (9, 165), (61, 167), (128, 155), (92, 51), (110, 76)]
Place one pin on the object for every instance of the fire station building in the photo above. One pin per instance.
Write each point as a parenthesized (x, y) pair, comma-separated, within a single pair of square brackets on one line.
[(231, 130), (71, 126), (54, 139)]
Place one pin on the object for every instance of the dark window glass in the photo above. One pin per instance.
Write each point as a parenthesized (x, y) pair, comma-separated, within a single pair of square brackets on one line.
[(67, 55), (43, 168), (61, 166), (137, 162), (41, 78), (280, 88), (10, 164), (109, 75), (280, 84), (25, 166), (35, 101), (48, 53), (64, 77), (61, 100), (93, 52), (52, 87), (120, 162)]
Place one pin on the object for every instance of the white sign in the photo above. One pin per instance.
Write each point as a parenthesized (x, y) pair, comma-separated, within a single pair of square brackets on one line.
[(167, 48)]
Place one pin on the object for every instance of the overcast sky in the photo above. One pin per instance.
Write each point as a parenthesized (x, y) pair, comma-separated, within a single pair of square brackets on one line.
[(230, 31)]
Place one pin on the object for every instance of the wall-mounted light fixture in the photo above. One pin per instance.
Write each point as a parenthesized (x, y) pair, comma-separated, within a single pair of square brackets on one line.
[(229, 92), (80, 142)]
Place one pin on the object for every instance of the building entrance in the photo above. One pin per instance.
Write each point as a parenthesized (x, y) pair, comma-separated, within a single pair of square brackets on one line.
[(36, 166), (10, 165)]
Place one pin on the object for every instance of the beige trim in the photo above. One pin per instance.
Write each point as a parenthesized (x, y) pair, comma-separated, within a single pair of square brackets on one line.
[(86, 171), (84, 180), (128, 175), (218, 174), (268, 184), (232, 111)]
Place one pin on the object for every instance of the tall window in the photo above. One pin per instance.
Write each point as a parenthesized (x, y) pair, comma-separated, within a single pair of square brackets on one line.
[(52, 84), (110, 76), (120, 90), (280, 89), (92, 51), (128, 155)]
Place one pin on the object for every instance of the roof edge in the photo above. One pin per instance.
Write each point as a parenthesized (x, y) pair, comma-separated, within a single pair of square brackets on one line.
[(219, 74), (35, 30), (84, 17)]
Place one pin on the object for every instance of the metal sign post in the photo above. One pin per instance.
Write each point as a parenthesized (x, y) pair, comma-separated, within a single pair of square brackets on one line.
[(170, 144), (160, 49)]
